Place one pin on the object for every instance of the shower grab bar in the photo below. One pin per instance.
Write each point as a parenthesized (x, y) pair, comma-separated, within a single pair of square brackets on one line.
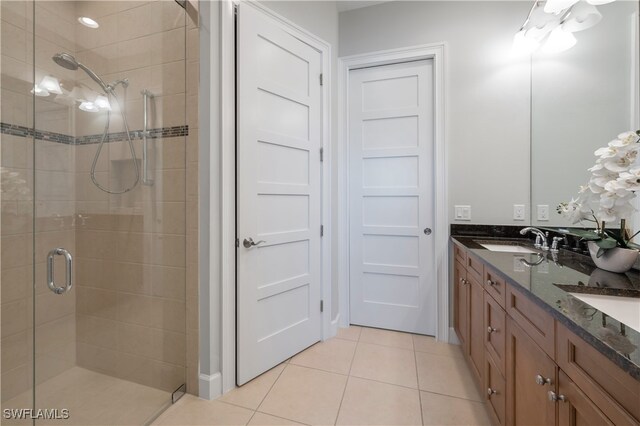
[(146, 95), (69, 272)]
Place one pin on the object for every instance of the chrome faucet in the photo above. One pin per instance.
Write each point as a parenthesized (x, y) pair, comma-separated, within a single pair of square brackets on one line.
[(541, 237)]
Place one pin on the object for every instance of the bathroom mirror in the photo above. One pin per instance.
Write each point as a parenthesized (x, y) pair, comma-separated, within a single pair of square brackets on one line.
[(581, 99)]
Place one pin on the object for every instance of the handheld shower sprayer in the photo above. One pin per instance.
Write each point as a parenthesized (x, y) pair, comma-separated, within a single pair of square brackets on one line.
[(69, 62)]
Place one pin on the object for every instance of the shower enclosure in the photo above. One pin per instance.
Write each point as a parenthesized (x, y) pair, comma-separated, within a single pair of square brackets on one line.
[(93, 162)]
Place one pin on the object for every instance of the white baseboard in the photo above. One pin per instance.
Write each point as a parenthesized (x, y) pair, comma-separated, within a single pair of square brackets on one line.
[(333, 328), (210, 387), (453, 337)]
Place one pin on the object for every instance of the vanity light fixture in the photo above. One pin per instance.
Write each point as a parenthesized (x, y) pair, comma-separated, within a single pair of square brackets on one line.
[(89, 107), (39, 91), (551, 24), (88, 22), (51, 84), (102, 103), (559, 40)]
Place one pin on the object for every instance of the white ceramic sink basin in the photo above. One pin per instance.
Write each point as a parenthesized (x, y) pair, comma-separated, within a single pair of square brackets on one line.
[(507, 248), (624, 309)]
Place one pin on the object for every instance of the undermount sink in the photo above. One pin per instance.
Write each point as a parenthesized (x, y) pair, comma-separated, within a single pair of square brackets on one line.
[(506, 248), (624, 309)]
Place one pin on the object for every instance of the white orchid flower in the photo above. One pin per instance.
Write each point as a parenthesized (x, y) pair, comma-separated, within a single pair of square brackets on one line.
[(630, 180), (606, 152), (627, 138)]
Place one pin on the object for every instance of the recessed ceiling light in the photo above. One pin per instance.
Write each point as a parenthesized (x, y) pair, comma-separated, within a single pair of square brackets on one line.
[(88, 22)]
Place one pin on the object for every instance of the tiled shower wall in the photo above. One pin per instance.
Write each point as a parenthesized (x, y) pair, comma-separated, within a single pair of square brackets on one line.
[(135, 316)]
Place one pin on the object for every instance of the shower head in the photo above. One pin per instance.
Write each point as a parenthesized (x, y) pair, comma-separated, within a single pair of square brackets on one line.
[(67, 61)]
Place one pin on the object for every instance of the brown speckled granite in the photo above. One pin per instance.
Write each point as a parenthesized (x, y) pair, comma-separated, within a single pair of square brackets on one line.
[(548, 282)]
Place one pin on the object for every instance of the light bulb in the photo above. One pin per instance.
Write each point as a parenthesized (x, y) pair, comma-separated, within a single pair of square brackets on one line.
[(89, 107), (582, 16), (599, 2), (102, 102), (51, 84), (559, 40), (88, 22), (39, 91), (557, 6), (523, 44)]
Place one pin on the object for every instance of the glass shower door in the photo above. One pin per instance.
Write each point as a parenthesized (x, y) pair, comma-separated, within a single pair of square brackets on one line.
[(98, 207)]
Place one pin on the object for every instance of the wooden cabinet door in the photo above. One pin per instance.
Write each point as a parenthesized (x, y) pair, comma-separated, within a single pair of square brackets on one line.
[(527, 401), (477, 331), (495, 321), (461, 304), (575, 408), (496, 393)]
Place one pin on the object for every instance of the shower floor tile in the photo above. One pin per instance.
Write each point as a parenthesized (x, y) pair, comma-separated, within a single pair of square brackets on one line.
[(94, 399)]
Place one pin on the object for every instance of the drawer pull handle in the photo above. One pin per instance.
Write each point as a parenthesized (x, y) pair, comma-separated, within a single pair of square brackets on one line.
[(554, 397), (491, 283), (491, 392), (541, 380), (491, 330)]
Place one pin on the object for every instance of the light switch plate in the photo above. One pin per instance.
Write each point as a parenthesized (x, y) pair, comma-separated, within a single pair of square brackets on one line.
[(543, 212), (518, 212), (462, 212)]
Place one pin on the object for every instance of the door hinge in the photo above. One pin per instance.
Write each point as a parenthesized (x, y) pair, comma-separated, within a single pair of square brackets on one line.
[(322, 230), (322, 306), (237, 242), (321, 80), (321, 154)]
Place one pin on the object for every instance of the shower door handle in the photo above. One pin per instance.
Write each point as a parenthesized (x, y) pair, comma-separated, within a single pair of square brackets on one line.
[(69, 270)]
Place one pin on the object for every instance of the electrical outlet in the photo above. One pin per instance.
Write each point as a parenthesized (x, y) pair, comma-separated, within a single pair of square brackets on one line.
[(518, 212), (543, 212), (462, 212)]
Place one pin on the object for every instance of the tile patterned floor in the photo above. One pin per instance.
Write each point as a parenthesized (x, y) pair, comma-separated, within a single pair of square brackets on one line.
[(364, 376), (93, 399)]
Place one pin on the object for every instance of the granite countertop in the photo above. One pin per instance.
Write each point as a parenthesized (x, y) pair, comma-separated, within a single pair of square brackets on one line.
[(549, 279)]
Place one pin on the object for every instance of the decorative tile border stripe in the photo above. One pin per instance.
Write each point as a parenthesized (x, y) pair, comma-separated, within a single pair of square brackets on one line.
[(27, 132)]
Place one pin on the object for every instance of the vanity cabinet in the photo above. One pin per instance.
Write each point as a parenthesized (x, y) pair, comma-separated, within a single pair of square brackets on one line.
[(531, 374), (469, 312), (532, 369), (576, 409)]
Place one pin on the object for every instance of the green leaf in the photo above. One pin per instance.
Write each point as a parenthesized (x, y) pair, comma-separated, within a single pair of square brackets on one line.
[(585, 234), (607, 243)]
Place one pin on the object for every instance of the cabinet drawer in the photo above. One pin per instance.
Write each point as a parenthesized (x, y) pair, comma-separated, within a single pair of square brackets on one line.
[(459, 254), (537, 323), (614, 392), (475, 267), (495, 286), (495, 387), (495, 321)]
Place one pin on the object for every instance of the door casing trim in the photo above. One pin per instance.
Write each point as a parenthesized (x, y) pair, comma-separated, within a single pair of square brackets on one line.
[(228, 183), (435, 52)]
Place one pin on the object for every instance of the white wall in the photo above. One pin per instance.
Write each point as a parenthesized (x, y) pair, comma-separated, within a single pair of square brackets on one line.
[(487, 98), (321, 19)]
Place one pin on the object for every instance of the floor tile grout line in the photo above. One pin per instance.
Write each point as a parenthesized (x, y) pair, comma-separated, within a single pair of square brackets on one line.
[(284, 418), (415, 360), (271, 387), (452, 396), (353, 357)]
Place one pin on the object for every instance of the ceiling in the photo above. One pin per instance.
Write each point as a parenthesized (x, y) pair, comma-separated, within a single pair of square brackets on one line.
[(344, 5)]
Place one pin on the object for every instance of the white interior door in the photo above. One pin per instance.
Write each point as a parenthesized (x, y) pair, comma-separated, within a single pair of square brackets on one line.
[(278, 194), (392, 279)]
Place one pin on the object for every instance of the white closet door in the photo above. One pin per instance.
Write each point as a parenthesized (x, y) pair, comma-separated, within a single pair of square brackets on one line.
[(279, 178), (391, 197)]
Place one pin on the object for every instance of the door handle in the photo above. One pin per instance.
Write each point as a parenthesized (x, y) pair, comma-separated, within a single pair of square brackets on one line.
[(427, 231), (248, 242), (69, 271)]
